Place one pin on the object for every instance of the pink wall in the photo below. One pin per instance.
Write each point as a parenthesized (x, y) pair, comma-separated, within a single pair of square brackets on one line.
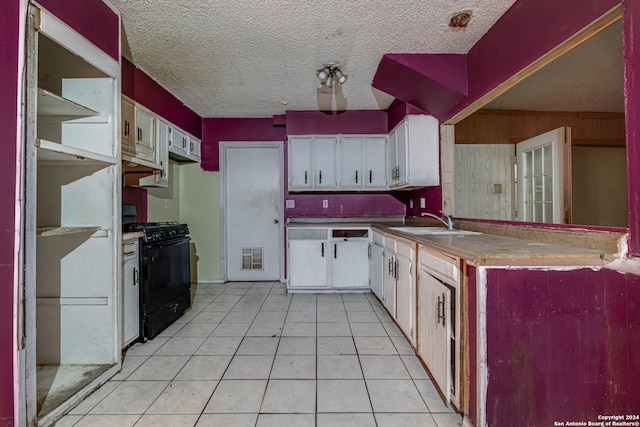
[(352, 121), (9, 42), (136, 196), (159, 100), (561, 345), (91, 18)]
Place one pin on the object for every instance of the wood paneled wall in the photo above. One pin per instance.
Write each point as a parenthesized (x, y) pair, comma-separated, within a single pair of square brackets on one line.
[(511, 127)]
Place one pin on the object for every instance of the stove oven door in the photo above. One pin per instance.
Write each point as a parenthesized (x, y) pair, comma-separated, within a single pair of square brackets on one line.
[(165, 284)]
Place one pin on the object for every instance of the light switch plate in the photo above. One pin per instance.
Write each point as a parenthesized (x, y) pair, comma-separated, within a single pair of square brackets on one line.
[(325, 204), (422, 203), (410, 203), (290, 204)]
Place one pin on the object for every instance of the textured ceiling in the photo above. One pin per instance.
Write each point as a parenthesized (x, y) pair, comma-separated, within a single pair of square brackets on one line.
[(588, 78), (251, 58)]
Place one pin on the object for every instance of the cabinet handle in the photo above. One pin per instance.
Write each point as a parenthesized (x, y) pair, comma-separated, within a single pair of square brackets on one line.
[(126, 128), (335, 250), (441, 311), (390, 267), (139, 134), (136, 277), (184, 142), (395, 269), (305, 177), (370, 176), (190, 146), (320, 178), (356, 177), (322, 250)]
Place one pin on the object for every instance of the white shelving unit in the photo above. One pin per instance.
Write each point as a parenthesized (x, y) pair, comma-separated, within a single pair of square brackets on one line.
[(73, 236)]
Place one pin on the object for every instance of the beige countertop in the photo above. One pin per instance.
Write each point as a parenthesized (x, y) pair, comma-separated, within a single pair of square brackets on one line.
[(491, 249), (135, 235), (486, 248)]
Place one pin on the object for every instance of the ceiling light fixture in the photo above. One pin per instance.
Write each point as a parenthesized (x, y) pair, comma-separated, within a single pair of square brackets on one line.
[(330, 74)]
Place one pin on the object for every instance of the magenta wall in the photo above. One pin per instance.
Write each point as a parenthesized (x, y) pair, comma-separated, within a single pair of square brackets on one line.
[(472, 319), (561, 345), (91, 18), (9, 42), (159, 100), (136, 196), (353, 121)]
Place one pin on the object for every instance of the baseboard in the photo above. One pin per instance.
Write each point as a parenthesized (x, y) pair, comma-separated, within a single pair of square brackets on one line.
[(208, 282)]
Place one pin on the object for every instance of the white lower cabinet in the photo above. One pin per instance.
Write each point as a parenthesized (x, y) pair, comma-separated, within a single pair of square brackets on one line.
[(389, 276), (439, 320), (321, 258), (406, 289), (130, 293), (376, 264), (307, 263)]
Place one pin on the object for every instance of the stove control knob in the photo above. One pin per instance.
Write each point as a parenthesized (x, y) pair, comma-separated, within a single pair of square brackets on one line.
[(156, 235), (173, 233)]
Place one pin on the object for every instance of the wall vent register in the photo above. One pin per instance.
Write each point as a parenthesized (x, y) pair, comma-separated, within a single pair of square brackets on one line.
[(252, 258)]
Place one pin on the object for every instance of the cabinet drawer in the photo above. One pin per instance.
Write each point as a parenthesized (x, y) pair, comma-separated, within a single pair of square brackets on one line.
[(406, 249), (439, 264), (307, 233), (349, 234), (378, 238)]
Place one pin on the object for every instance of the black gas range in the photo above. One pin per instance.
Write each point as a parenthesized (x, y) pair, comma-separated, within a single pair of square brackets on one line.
[(158, 231), (165, 276)]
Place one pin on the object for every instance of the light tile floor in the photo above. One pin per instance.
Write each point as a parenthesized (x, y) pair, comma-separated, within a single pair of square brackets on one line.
[(249, 354)]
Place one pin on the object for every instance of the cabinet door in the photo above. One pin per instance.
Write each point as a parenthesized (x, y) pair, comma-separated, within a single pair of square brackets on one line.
[(401, 155), (376, 270), (178, 143), (300, 171), (405, 296), (324, 156), (351, 176), (392, 158), (145, 135), (162, 152), (389, 282), (130, 294), (375, 162), (308, 263), (350, 263), (194, 149), (127, 111), (433, 333)]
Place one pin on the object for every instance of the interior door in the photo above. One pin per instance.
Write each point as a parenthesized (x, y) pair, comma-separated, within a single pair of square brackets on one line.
[(252, 194), (544, 177)]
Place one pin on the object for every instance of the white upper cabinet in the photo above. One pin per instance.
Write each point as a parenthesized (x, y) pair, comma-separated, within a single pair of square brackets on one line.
[(407, 157), (145, 134), (413, 155), (351, 162), (159, 177), (300, 173), (324, 156), (194, 149), (342, 162), (375, 162), (179, 142)]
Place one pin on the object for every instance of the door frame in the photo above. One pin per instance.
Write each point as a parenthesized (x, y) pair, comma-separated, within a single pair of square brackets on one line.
[(223, 146)]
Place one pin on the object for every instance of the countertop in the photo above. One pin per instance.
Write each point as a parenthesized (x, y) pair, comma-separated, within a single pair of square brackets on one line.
[(134, 235), (491, 249), (484, 248)]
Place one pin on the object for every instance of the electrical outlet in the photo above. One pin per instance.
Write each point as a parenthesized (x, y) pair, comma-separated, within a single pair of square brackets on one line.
[(290, 204), (497, 188), (166, 203), (325, 204), (423, 203), (410, 203)]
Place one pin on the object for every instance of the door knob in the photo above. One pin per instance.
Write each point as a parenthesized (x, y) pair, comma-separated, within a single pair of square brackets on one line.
[(275, 221)]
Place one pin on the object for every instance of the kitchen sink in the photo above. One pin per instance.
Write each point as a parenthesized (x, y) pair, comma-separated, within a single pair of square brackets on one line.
[(439, 231)]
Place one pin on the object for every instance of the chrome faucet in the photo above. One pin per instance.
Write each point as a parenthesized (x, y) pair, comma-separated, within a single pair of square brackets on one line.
[(448, 222)]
